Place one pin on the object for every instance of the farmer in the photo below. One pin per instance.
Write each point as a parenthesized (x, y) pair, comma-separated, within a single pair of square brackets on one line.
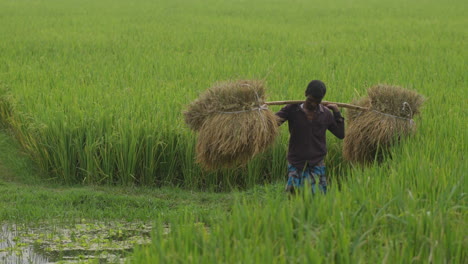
[(308, 123)]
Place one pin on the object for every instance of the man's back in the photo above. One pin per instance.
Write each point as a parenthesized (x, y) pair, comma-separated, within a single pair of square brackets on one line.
[(307, 141)]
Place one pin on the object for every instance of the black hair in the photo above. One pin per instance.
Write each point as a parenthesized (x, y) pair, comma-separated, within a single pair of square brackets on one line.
[(317, 89)]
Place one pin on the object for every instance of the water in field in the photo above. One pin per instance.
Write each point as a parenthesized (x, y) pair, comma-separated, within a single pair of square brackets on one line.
[(101, 242), (12, 251)]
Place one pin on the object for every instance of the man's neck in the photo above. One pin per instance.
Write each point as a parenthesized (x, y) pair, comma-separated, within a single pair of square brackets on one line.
[(305, 108)]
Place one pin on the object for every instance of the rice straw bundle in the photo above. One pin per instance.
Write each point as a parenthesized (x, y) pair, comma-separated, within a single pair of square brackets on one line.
[(370, 133), (233, 123)]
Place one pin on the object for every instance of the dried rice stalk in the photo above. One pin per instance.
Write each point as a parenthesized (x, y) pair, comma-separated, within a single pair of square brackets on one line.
[(232, 122), (373, 132), (243, 95), (227, 140), (234, 125)]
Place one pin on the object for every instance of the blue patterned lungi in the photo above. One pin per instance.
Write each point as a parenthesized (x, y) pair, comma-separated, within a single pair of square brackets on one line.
[(297, 178)]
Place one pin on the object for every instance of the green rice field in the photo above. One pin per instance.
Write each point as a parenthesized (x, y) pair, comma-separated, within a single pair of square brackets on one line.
[(92, 94)]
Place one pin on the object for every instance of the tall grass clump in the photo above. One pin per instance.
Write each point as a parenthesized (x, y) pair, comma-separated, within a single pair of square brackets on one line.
[(378, 217), (393, 212), (6, 106)]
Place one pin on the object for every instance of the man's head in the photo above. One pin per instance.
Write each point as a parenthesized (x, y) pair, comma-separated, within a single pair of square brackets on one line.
[(315, 92), (316, 89)]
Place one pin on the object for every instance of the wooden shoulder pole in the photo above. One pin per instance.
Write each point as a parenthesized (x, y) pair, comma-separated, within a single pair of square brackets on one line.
[(349, 106)]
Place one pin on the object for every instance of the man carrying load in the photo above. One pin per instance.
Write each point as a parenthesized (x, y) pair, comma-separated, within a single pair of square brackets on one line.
[(308, 123)]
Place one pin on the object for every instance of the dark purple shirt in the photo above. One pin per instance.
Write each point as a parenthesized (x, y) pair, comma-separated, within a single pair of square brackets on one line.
[(307, 142)]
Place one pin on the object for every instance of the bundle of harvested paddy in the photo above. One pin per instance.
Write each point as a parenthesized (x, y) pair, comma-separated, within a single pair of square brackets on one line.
[(390, 117), (233, 123)]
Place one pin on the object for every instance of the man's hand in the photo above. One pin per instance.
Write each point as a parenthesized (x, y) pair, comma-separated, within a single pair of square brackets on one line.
[(333, 107), (280, 120)]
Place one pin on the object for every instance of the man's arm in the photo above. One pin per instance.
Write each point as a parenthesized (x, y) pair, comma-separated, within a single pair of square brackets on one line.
[(337, 124), (282, 115)]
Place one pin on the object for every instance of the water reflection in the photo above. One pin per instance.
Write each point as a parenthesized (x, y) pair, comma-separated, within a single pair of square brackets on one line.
[(108, 242), (13, 251)]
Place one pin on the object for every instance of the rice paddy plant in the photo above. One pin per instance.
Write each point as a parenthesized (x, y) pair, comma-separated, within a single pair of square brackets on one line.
[(96, 96), (379, 217)]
